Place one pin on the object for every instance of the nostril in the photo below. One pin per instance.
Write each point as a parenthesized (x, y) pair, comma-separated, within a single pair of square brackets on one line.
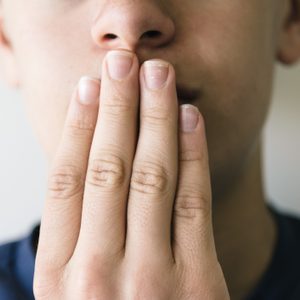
[(151, 34), (110, 36)]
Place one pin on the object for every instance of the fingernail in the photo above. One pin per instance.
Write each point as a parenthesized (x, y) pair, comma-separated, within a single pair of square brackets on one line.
[(119, 64), (156, 74), (189, 117), (88, 90)]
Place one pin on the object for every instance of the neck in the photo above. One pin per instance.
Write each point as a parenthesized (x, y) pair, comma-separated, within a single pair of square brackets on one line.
[(244, 229)]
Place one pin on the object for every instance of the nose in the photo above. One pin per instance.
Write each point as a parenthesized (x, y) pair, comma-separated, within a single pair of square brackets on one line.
[(132, 24)]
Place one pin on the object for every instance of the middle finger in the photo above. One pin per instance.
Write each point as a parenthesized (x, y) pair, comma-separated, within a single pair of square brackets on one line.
[(106, 188)]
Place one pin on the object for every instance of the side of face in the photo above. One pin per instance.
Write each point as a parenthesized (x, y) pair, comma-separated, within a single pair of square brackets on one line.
[(225, 49)]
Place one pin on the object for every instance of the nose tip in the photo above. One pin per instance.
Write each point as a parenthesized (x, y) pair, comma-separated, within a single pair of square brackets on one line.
[(142, 24)]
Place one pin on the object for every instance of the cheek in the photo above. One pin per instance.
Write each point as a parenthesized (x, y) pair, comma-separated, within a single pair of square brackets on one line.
[(52, 56), (235, 50)]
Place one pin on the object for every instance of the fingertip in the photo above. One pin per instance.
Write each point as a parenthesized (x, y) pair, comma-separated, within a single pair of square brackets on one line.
[(157, 75), (189, 118), (88, 90)]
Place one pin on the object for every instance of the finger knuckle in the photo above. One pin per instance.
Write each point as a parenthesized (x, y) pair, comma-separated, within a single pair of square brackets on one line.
[(149, 178), (145, 284), (118, 103), (192, 204), (80, 125), (65, 181), (191, 156), (108, 171), (92, 281), (116, 109), (156, 116), (90, 286)]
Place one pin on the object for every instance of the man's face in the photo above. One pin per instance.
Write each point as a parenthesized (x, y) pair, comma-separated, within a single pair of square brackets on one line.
[(224, 49)]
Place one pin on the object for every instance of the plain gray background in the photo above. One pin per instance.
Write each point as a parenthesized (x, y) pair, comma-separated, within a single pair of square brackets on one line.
[(23, 171)]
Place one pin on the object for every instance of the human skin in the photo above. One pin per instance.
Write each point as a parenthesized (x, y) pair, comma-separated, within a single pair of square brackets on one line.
[(226, 49)]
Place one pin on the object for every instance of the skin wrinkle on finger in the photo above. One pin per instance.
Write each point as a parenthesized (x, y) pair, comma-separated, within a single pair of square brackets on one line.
[(223, 50)]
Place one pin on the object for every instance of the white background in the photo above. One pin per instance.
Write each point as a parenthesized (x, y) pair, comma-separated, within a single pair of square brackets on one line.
[(23, 169)]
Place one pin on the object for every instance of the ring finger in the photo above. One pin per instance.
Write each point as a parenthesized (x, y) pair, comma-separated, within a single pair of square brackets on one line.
[(154, 173)]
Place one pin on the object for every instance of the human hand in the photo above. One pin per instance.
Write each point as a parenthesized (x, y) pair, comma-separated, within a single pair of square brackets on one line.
[(128, 211)]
